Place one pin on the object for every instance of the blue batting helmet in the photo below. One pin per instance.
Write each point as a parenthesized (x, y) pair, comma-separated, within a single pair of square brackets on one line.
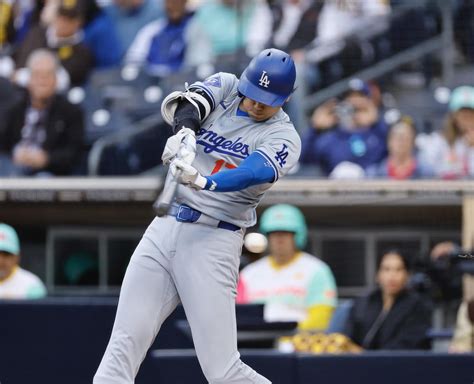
[(285, 217), (269, 78)]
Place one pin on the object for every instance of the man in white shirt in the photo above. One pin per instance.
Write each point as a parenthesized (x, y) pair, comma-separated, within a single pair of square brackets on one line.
[(15, 282)]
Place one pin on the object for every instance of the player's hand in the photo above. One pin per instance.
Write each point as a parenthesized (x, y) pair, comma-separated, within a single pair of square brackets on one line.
[(183, 142), (187, 174)]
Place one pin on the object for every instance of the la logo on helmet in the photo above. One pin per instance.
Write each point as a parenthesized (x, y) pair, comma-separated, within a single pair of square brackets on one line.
[(264, 82)]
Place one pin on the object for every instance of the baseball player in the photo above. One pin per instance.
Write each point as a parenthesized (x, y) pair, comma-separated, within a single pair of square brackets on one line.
[(234, 141), (293, 285)]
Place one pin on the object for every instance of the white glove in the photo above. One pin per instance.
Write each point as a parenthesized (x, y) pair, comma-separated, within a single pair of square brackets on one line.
[(183, 142), (187, 174)]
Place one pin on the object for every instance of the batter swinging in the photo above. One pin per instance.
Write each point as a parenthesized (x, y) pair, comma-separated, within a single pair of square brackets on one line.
[(235, 141)]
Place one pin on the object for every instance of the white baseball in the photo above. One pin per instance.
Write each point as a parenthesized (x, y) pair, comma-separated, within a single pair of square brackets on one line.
[(255, 242)]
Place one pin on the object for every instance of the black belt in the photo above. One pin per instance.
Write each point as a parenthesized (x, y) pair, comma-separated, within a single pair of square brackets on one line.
[(186, 214)]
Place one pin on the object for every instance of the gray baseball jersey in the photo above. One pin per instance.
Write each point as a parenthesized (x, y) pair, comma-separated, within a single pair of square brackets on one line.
[(225, 139)]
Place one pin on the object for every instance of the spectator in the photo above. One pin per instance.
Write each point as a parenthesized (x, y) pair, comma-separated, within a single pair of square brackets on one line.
[(294, 28), (15, 282), (101, 36), (293, 285), (451, 153), (231, 26), (42, 132), (129, 16), (161, 45), (295, 23), (14, 19), (391, 317), (341, 18), (65, 37), (402, 162), (353, 130)]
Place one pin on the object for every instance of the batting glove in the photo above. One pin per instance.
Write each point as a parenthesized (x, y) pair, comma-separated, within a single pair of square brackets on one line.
[(187, 174), (182, 144)]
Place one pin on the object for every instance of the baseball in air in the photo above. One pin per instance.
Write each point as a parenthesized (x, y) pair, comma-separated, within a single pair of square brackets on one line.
[(255, 242)]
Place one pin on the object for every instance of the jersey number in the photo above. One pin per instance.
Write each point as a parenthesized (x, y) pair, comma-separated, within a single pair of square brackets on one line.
[(220, 164)]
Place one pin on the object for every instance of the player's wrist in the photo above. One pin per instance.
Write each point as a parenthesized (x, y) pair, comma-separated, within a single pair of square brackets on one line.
[(210, 184)]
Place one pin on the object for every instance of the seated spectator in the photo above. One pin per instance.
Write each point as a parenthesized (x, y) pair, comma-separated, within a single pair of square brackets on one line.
[(451, 152), (391, 317), (15, 282), (160, 46), (14, 19), (129, 16), (230, 26), (341, 18), (42, 132), (402, 163), (65, 37), (294, 28), (293, 285), (352, 130), (294, 23), (101, 37), (100, 34)]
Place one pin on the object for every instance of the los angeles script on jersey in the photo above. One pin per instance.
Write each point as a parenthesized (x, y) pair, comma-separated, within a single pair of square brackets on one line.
[(211, 141)]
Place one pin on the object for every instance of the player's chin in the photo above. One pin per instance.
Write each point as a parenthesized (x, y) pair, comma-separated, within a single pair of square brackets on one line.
[(258, 117)]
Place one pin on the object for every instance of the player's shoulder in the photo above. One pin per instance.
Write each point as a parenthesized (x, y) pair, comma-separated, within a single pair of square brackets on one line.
[(27, 277), (281, 128), (221, 79), (256, 267), (313, 263)]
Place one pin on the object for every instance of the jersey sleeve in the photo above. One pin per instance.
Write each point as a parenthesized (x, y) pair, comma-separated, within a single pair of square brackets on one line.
[(216, 87), (281, 148), (322, 288)]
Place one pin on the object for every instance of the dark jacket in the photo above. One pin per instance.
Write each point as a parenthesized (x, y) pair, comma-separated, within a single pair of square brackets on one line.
[(404, 327), (64, 132), (328, 149), (76, 59), (306, 31)]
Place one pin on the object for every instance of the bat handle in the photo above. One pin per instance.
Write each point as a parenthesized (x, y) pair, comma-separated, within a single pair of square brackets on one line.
[(163, 204)]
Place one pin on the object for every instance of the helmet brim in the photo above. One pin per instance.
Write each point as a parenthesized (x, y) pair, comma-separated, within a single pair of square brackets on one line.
[(256, 93)]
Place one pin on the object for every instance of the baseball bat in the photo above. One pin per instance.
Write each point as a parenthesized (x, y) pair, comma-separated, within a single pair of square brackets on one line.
[(163, 204)]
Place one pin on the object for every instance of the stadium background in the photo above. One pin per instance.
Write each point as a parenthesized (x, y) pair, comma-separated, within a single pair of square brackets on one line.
[(95, 217)]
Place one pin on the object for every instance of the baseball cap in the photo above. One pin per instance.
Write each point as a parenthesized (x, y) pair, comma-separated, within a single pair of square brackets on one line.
[(9, 240), (71, 8), (462, 97), (358, 85)]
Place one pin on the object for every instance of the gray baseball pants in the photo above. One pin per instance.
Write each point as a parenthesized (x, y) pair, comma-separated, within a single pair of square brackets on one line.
[(193, 263)]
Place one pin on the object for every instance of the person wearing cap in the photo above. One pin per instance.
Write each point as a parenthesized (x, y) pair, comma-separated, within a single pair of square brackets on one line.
[(451, 151), (352, 130), (292, 284), (16, 282), (65, 37)]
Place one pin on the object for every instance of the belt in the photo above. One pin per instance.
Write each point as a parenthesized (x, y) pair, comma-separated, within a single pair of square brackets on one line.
[(186, 214)]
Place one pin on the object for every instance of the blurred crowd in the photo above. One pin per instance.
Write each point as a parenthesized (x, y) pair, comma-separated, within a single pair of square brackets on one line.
[(64, 65)]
